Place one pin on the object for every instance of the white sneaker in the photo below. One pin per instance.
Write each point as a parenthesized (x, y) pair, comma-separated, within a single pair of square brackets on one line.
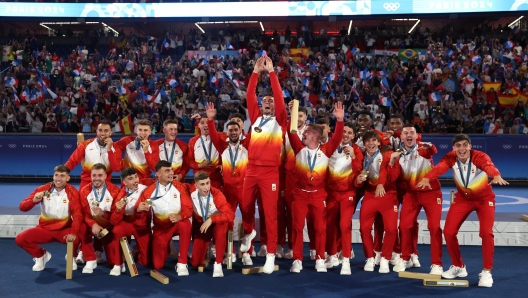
[(233, 258), (455, 272), (369, 264), (377, 258), (436, 270), (345, 267), (80, 258), (384, 266), (332, 261), (401, 265), (279, 252), (181, 269), (296, 266), (99, 257), (263, 251), (246, 259), (394, 259), (246, 241), (289, 254), (320, 265), (340, 257), (313, 254), (253, 252), (89, 267), (116, 271), (485, 279), (416, 262), (40, 263), (74, 264), (217, 270), (269, 266)]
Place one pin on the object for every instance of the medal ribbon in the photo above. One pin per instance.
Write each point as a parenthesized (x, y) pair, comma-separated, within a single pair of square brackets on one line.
[(466, 181), (207, 154), (233, 160), (155, 197), (366, 165), (129, 193), (262, 123), (206, 211), (410, 150), (340, 149), (138, 144), (311, 165), (102, 193), (172, 154)]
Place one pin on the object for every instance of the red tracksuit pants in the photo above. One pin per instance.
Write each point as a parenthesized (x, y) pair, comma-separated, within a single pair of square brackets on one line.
[(371, 206), (290, 186), (141, 235), (413, 202), (87, 247), (340, 208), (162, 236), (304, 204), (30, 238), (378, 232), (281, 221), (233, 194), (201, 242), (457, 214), (266, 181)]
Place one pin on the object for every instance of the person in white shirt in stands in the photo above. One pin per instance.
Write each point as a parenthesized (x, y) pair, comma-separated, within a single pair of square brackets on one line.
[(422, 101), (423, 112), (373, 107), (370, 42), (381, 115), (36, 125), (378, 123)]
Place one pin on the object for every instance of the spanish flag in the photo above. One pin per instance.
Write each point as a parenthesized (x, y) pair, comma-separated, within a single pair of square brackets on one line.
[(488, 85), (126, 125), (522, 96), (508, 100)]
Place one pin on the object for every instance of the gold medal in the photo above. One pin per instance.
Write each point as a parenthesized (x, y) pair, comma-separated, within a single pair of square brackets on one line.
[(257, 129), (149, 202), (365, 172), (125, 199), (95, 203), (46, 195), (401, 151)]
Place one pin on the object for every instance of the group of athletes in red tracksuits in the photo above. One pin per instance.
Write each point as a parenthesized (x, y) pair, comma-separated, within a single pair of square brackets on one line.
[(295, 177)]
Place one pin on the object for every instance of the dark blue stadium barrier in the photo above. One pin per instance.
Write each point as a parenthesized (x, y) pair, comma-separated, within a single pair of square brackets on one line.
[(508, 153), (36, 155)]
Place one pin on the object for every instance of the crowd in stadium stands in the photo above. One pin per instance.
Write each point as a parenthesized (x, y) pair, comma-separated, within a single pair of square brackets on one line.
[(470, 82)]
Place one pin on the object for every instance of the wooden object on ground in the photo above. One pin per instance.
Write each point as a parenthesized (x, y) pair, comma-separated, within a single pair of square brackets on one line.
[(254, 270), (159, 277)]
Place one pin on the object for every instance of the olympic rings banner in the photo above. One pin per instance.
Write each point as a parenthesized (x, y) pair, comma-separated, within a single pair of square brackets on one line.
[(256, 9), (37, 155)]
